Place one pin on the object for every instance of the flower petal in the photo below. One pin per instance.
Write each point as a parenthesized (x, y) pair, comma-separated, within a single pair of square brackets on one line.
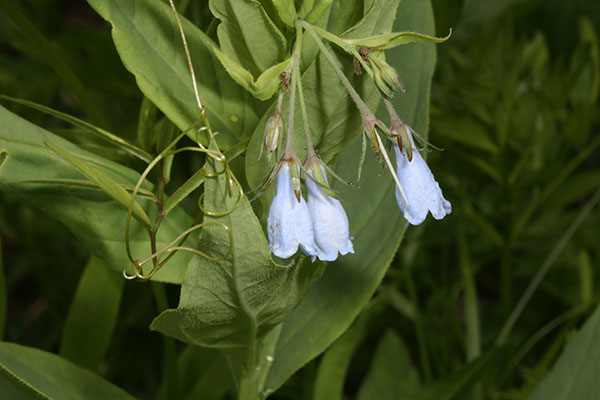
[(330, 222), (420, 187), (289, 224)]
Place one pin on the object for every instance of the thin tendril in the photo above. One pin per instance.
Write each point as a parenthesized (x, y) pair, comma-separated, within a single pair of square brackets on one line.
[(137, 266), (187, 55)]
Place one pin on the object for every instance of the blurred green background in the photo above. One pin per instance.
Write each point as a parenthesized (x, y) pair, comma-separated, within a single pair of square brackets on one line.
[(514, 106)]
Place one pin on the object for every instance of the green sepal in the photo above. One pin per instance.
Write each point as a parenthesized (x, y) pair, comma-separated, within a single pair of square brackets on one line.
[(316, 172), (389, 40), (295, 173), (263, 88)]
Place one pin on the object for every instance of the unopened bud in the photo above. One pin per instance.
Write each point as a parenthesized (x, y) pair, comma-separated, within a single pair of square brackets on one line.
[(368, 128), (400, 131), (386, 77), (273, 131)]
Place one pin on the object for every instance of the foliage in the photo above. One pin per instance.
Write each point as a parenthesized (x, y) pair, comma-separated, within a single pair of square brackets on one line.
[(108, 166)]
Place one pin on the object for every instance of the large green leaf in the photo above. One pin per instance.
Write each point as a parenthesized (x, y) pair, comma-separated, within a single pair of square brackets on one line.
[(392, 375), (334, 300), (575, 374), (32, 373), (92, 315), (3, 295), (247, 35), (331, 375), (35, 175), (234, 302), (379, 15), (202, 373), (148, 41)]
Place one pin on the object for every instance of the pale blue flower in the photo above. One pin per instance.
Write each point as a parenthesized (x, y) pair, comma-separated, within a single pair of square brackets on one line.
[(330, 223), (289, 224), (420, 188)]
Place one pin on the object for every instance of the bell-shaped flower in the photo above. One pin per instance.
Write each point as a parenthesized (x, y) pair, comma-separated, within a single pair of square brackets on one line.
[(289, 224), (422, 193), (330, 222)]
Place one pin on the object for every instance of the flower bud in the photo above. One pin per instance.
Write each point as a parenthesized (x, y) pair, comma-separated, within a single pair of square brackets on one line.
[(273, 131), (400, 131), (386, 77), (368, 127)]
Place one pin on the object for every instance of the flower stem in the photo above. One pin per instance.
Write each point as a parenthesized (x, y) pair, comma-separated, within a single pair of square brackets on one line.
[(360, 104), (296, 81)]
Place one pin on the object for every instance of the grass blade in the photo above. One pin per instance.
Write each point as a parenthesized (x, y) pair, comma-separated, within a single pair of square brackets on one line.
[(112, 188)]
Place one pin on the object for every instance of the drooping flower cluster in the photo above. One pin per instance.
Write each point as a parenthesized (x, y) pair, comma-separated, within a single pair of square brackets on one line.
[(318, 226)]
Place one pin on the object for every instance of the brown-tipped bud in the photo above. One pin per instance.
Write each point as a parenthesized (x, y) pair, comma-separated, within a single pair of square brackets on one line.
[(386, 77), (273, 131), (400, 131), (368, 127)]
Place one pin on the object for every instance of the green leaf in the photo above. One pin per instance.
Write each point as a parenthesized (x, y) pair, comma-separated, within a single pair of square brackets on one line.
[(389, 40), (185, 190), (234, 302), (92, 315), (33, 174), (575, 374), (35, 373), (287, 11), (329, 383), (149, 44), (247, 35), (450, 387), (392, 375), (86, 126), (262, 88), (3, 296), (203, 373), (379, 15), (342, 15), (376, 224), (109, 186), (212, 380), (53, 57)]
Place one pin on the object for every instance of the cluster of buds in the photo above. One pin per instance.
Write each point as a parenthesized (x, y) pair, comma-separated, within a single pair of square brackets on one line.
[(385, 76)]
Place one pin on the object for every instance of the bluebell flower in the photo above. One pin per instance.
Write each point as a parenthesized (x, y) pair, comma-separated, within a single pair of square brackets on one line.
[(421, 190), (330, 222), (289, 224)]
